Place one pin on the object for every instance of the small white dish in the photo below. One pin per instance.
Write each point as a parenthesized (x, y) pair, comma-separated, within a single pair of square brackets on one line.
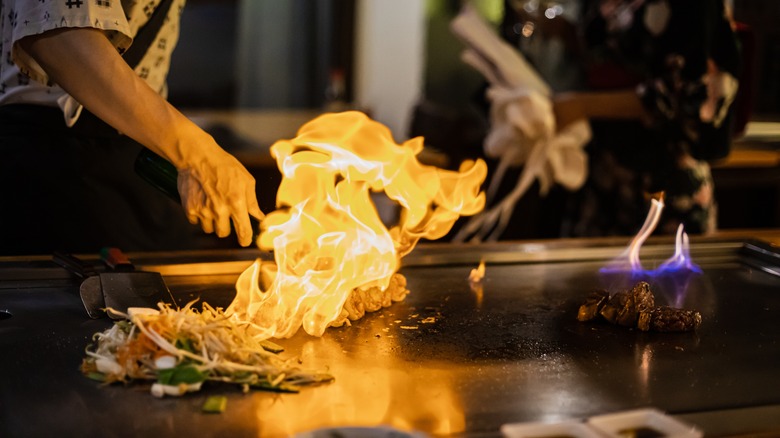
[(570, 428), (642, 423)]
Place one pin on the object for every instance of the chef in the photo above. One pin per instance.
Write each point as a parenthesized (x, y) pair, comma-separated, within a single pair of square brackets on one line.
[(82, 90)]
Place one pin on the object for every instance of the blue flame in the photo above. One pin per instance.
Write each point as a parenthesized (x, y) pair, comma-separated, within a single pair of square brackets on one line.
[(673, 275), (679, 262)]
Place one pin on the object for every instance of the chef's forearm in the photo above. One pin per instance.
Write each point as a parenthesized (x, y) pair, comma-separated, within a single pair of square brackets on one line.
[(598, 105), (624, 104), (85, 64)]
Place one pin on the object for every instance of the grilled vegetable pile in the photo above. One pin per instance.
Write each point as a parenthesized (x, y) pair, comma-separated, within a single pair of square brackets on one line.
[(180, 349)]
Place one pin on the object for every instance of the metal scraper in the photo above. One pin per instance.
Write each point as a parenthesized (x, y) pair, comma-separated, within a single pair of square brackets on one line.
[(126, 287), (118, 289)]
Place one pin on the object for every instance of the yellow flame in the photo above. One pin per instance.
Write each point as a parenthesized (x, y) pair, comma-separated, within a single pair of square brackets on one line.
[(475, 282), (477, 274), (327, 236)]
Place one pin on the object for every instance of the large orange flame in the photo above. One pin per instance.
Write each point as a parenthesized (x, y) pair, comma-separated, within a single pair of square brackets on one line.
[(326, 234)]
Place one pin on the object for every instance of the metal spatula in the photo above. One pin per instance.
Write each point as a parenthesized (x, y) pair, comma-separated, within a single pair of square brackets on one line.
[(120, 288)]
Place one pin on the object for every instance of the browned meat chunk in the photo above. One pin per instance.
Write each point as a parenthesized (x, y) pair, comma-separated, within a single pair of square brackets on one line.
[(643, 323), (639, 299), (669, 319), (636, 308), (592, 306), (612, 307)]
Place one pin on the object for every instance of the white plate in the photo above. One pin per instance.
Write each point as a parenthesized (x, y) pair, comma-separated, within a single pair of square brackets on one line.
[(572, 428), (615, 425)]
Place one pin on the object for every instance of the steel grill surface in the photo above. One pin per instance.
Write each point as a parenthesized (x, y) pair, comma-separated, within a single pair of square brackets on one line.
[(449, 360)]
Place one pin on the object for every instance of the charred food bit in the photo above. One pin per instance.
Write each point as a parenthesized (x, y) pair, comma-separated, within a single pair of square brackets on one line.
[(371, 299), (639, 299), (669, 319), (590, 309), (625, 307), (613, 306), (636, 308)]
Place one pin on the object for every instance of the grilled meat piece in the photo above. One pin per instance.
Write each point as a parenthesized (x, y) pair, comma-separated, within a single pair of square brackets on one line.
[(669, 319), (636, 308), (590, 309), (612, 307), (643, 323), (639, 299)]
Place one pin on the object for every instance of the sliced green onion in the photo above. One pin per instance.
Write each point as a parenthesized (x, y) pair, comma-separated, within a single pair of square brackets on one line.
[(215, 404), (94, 375), (180, 374)]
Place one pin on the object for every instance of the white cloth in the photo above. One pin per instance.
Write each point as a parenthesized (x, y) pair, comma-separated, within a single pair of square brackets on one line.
[(23, 81), (522, 131)]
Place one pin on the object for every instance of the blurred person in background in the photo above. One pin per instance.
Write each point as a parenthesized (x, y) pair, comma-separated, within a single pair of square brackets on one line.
[(655, 79), (74, 114)]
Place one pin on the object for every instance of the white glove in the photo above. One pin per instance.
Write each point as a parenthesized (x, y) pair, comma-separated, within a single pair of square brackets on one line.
[(520, 118), (523, 128), (521, 112), (568, 162), (216, 190), (499, 62)]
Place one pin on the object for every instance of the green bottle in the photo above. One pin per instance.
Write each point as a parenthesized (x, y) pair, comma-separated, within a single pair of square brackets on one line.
[(163, 176), (158, 172)]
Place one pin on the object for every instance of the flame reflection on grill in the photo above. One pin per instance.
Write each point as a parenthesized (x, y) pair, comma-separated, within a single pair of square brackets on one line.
[(326, 234), (375, 392)]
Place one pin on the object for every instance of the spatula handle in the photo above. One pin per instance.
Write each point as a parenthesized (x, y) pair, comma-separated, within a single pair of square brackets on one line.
[(116, 259), (73, 264)]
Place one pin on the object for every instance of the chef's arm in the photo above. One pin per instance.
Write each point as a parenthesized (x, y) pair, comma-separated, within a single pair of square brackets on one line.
[(86, 65), (215, 187), (614, 105)]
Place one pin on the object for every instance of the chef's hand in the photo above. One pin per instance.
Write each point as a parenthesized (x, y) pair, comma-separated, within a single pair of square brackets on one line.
[(215, 189), (213, 185)]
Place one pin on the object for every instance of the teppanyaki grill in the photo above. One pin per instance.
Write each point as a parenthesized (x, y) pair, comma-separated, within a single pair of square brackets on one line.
[(440, 362)]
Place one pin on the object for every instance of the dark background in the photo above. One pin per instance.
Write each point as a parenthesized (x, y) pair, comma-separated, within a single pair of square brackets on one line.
[(207, 70)]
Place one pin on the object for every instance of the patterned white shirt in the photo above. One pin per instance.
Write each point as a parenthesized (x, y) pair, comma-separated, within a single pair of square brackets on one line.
[(23, 81)]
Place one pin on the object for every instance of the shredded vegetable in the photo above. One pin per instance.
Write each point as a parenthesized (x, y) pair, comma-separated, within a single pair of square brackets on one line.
[(179, 349)]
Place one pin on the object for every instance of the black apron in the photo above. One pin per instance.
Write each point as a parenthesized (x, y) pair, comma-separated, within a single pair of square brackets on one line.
[(74, 189)]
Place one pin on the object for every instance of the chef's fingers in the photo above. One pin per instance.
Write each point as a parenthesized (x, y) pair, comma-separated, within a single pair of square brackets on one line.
[(241, 207), (243, 229), (192, 217), (196, 216), (206, 220), (222, 220), (240, 218), (192, 198), (252, 206), (214, 212)]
